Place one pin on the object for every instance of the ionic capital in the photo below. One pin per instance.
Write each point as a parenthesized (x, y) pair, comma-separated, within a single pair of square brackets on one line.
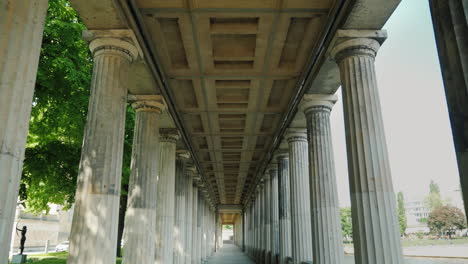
[(120, 40), (314, 102), (273, 166), (191, 170), (147, 103), (183, 154), (348, 43), (266, 175), (281, 154), (169, 135), (296, 134)]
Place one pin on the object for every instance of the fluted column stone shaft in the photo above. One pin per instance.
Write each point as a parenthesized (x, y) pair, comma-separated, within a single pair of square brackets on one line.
[(180, 206), (166, 196), (204, 227), (273, 171), (191, 170), (140, 217), (375, 226), (200, 226), (267, 210), (258, 225), (195, 225), (262, 228), (325, 209), (21, 28), (284, 207), (300, 196), (93, 237)]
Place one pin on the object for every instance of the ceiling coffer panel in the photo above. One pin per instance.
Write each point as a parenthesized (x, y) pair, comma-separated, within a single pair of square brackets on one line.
[(232, 68)]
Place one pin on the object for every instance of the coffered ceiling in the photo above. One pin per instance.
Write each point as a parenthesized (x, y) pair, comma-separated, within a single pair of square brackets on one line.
[(232, 67)]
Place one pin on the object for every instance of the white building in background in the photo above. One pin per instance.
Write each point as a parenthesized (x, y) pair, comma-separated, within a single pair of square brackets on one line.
[(416, 214)]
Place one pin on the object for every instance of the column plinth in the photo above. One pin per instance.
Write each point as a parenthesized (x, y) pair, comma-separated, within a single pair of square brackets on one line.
[(300, 196), (284, 206), (326, 221), (140, 217), (93, 237), (375, 226), (165, 209), (21, 28)]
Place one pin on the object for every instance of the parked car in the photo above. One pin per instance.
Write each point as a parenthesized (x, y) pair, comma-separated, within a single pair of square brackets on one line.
[(62, 246)]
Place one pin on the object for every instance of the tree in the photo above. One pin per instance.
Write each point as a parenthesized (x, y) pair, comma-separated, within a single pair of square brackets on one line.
[(346, 223), (58, 116), (59, 112), (434, 199), (401, 213), (446, 220)]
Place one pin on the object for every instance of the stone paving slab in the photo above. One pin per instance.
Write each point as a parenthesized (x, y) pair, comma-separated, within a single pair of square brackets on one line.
[(229, 254)]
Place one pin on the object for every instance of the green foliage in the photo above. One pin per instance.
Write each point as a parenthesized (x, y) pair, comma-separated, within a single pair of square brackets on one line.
[(59, 113), (401, 213), (434, 199), (228, 227), (446, 219), (346, 222)]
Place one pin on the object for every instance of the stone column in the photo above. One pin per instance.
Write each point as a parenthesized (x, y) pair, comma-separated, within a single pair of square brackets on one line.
[(191, 172), (273, 171), (195, 225), (21, 28), (325, 209), (165, 196), (140, 217), (285, 248), (375, 226), (300, 196), (93, 237), (200, 226), (180, 206), (204, 228), (267, 219), (258, 254)]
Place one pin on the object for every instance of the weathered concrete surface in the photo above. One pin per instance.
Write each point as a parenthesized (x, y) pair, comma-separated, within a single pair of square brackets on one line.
[(301, 233), (140, 217), (166, 196), (326, 221), (285, 248), (21, 28), (451, 31), (93, 236), (375, 226)]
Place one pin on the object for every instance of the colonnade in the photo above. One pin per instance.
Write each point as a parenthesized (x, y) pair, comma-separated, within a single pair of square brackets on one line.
[(308, 221), (293, 214)]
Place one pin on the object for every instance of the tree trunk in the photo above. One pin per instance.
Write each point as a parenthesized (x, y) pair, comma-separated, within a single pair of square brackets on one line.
[(122, 210)]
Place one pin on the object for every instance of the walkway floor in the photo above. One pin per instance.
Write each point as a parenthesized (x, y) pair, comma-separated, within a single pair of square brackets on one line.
[(229, 254)]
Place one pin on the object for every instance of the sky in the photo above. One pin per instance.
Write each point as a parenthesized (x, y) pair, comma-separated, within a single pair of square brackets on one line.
[(414, 110)]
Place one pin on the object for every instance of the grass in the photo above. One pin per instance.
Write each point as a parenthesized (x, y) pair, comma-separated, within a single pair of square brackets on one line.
[(433, 242), (53, 258)]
